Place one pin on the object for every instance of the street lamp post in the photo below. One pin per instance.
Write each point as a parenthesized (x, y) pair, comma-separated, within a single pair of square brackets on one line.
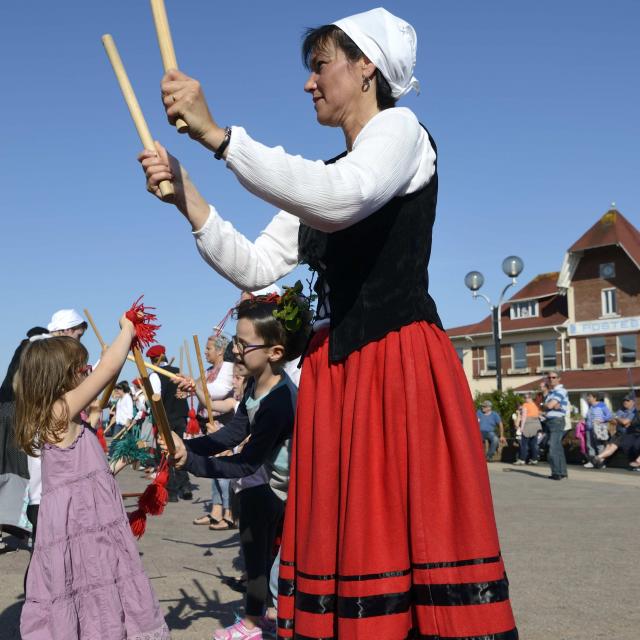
[(512, 267)]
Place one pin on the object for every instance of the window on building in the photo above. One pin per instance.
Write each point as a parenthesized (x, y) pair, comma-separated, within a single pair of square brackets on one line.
[(526, 309), (549, 358), (609, 303), (460, 353), (490, 357), (597, 352), (607, 270), (519, 355), (627, 347)]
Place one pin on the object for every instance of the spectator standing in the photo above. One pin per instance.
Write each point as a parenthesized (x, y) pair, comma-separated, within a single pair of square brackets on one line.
[(528, 421), (597, 427), (556, 403), (489, 420)]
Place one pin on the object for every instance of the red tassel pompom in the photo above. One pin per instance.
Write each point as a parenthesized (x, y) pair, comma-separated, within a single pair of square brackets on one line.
[(101, 439), (162, 475), (143, 321), (193, 426), (154, 499), (138, 523)]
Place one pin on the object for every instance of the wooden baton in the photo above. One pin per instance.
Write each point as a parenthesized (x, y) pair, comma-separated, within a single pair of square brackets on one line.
[(203, 378), (166, 188), (165, 41), (188, 354), (94, 327), (160, 370), (157, 408)]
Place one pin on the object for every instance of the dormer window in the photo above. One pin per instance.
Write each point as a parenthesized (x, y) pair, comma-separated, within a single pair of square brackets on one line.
[(526, 309)]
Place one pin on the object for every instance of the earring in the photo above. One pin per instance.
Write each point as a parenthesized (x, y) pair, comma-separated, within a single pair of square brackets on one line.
[(366, 84)]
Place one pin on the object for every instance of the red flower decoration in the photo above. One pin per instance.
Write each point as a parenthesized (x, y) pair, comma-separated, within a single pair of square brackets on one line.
[(143, 321)]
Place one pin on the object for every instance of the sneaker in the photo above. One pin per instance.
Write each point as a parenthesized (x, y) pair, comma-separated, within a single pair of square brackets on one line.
[(238, 631), (588, 465), (533, 462), (518, 461)]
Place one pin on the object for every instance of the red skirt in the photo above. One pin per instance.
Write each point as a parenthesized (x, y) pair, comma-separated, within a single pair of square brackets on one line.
[(389, 530)]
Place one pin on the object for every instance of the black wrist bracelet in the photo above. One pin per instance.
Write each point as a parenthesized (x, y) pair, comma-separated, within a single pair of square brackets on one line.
[(225, 143)]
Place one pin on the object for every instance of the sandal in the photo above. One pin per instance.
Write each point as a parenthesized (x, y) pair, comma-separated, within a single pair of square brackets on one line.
[(206, 519), (222, 525)]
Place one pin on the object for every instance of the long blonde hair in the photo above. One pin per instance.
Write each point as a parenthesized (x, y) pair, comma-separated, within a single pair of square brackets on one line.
[(48, 369)]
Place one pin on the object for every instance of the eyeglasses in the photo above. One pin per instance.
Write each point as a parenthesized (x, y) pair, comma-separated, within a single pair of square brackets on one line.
[(86, 370), (244, 348), (552, 377)]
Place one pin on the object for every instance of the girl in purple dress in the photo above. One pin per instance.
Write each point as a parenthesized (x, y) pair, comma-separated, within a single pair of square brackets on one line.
[(85, 580)]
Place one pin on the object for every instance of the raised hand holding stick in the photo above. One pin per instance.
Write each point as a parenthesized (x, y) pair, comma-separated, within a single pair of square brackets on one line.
[(166, 188)]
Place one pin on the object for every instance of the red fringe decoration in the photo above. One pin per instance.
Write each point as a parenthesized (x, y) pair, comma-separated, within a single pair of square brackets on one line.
[(138, 523), (152, 501), (145, 329), (101, 438), (193, 426)]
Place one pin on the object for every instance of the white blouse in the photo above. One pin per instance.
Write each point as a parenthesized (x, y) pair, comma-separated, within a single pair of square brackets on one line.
[(391, 156)]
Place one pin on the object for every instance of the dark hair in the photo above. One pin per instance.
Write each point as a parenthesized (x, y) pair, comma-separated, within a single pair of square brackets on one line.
[(598, 395), (36, 331), (260, 312), (316, 39), (123, 386)]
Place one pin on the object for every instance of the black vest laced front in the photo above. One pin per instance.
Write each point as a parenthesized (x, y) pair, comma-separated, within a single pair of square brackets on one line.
[(376, 270)]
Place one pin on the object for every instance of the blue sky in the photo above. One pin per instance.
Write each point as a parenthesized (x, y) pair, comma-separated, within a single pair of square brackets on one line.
[(534, 106)]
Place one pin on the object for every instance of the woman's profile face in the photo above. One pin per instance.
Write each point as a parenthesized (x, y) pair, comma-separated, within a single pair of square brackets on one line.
[(334, 85)]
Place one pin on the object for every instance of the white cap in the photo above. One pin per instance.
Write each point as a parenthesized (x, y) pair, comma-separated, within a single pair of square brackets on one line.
[(65, 319), (389, 42), (272, 288)]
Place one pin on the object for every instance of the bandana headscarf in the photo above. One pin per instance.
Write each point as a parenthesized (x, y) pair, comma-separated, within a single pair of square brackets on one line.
[(389, 42)]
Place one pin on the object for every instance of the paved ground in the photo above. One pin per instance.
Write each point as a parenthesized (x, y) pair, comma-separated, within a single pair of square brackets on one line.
[(571, 550)]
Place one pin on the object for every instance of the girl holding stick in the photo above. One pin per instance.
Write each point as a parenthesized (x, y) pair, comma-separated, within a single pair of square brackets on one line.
[(86, 578)]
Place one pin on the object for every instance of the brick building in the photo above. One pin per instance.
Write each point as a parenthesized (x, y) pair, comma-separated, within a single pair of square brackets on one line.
[(583, 320)]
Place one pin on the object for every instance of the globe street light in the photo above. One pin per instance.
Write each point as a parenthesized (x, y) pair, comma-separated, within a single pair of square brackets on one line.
[(512, 267)]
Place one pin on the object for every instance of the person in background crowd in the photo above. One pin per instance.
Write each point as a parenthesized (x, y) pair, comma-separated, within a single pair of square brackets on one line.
[(14, 473), (67, 322), (556, 404), (177, 413), (627, 439), (528, 422), (597, 426), (489, 420), (123, 414)]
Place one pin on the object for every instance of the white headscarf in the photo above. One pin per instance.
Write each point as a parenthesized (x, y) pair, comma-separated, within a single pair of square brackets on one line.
[(389, 42)]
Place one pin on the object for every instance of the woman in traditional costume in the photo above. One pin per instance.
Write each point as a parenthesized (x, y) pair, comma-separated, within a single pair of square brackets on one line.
[(389, 529)]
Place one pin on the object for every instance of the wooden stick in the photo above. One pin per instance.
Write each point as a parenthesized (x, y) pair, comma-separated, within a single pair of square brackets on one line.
[(153, 367), (188, 354), (203, 378), (172, 360), (95, 329), (106, 394), (157, 408), (123, 432), (166, 188), (165, 41), (181, 358), (163, 423)]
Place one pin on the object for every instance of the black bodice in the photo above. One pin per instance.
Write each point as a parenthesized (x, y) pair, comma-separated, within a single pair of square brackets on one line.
[(376, 270)]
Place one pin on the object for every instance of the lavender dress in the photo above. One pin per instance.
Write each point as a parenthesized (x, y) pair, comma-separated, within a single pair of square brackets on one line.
[(86, 580)]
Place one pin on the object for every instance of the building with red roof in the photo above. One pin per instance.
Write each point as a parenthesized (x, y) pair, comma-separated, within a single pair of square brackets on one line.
[(583, 321)]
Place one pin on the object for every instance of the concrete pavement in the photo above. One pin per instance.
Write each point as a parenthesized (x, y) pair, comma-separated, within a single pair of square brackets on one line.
[(570, 548)]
